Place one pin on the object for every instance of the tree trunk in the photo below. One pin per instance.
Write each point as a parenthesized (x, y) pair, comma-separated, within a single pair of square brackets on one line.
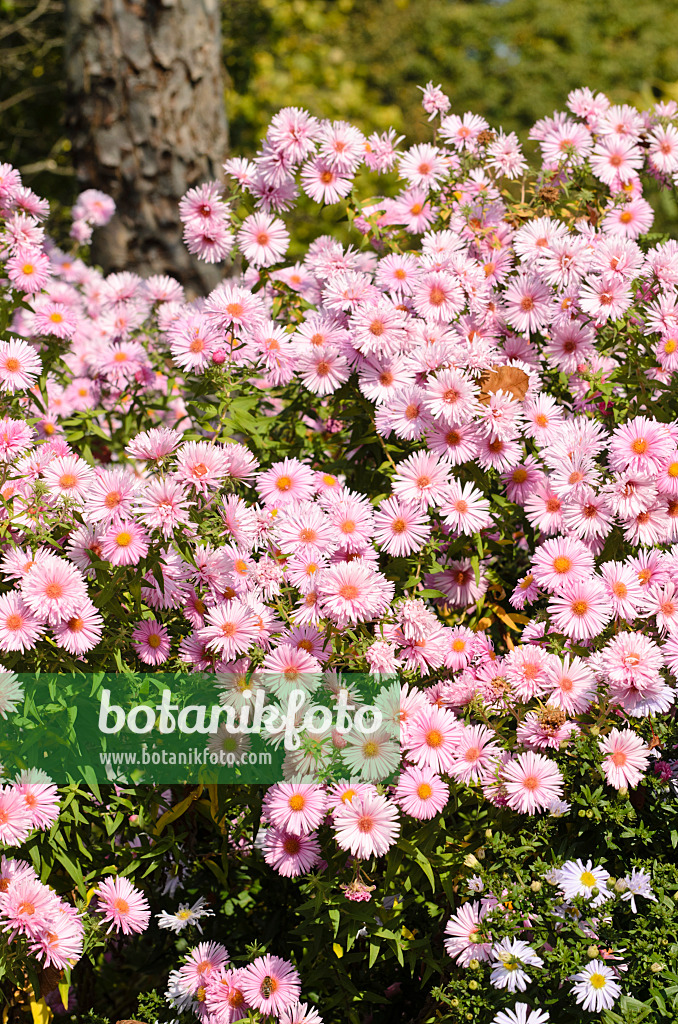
[(147, 122)]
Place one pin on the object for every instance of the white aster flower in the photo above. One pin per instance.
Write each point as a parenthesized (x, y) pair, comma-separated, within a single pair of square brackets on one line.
[(184, 916), (521, 1014), (510, 957), (595, 988), (637, 884), (578, 879)]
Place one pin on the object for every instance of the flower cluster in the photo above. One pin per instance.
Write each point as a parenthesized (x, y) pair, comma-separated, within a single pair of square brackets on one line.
[(210, 986), (585, 900)]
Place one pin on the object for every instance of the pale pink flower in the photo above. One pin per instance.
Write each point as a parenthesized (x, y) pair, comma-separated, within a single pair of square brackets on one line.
[(19, 365), (463, 941), (286, 481), (432, 739), (421, 793), (401, 528), (627, 758), (295, 807), (572, 684), (476, 749), (124, 543), (422, 478), (559, 561), (532, 782), (53, 589), (616, 157), (123, 905), (231, 628), (15, 818), (581, 610), (270, 984), (151, 642), (353, 592), (82, 632), (163, 505), (367, 825), (19, 627)]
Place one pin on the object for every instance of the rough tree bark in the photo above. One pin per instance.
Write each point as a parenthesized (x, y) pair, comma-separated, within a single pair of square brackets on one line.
[(147, 122)]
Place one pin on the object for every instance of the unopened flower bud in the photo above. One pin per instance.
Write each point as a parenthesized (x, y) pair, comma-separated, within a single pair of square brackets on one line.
[(473, 985), (623, 793), (592, 952), (536, 885), (656, 968), (595, 731), (219, 356), (619, 885), (474, 964)]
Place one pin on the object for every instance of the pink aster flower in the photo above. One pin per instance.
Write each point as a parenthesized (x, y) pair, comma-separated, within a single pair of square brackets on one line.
[(16, 438), (421, 793), (581, 610), (465, 509), (367, 825), (572, 684), (224, 998), (401, 527), (532, 783), (616, 157), (640, 446), (163, 505), (304, 1013), (627, 757), (28, 269), (623, 589), (15, 818), (109, 496), (81, 632), (19, 627), (270, 984), (230, 305), (41, 800), (528, 303), (124, 543), (604, 298), (527, 669), (560, 560), (263, 239), (193, 339), (286, 481), (463, 941), (231, 628), (151, 641), (324, 183), (289, 854), (26, 906), (352, 592), (123, 905), (153, 445), (432, 738), (437, 296), (421, 478), (53, 589), (19, 365), (476, 750)]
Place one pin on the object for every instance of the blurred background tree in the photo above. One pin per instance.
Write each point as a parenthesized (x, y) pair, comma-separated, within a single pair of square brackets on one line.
[(511, 60)]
